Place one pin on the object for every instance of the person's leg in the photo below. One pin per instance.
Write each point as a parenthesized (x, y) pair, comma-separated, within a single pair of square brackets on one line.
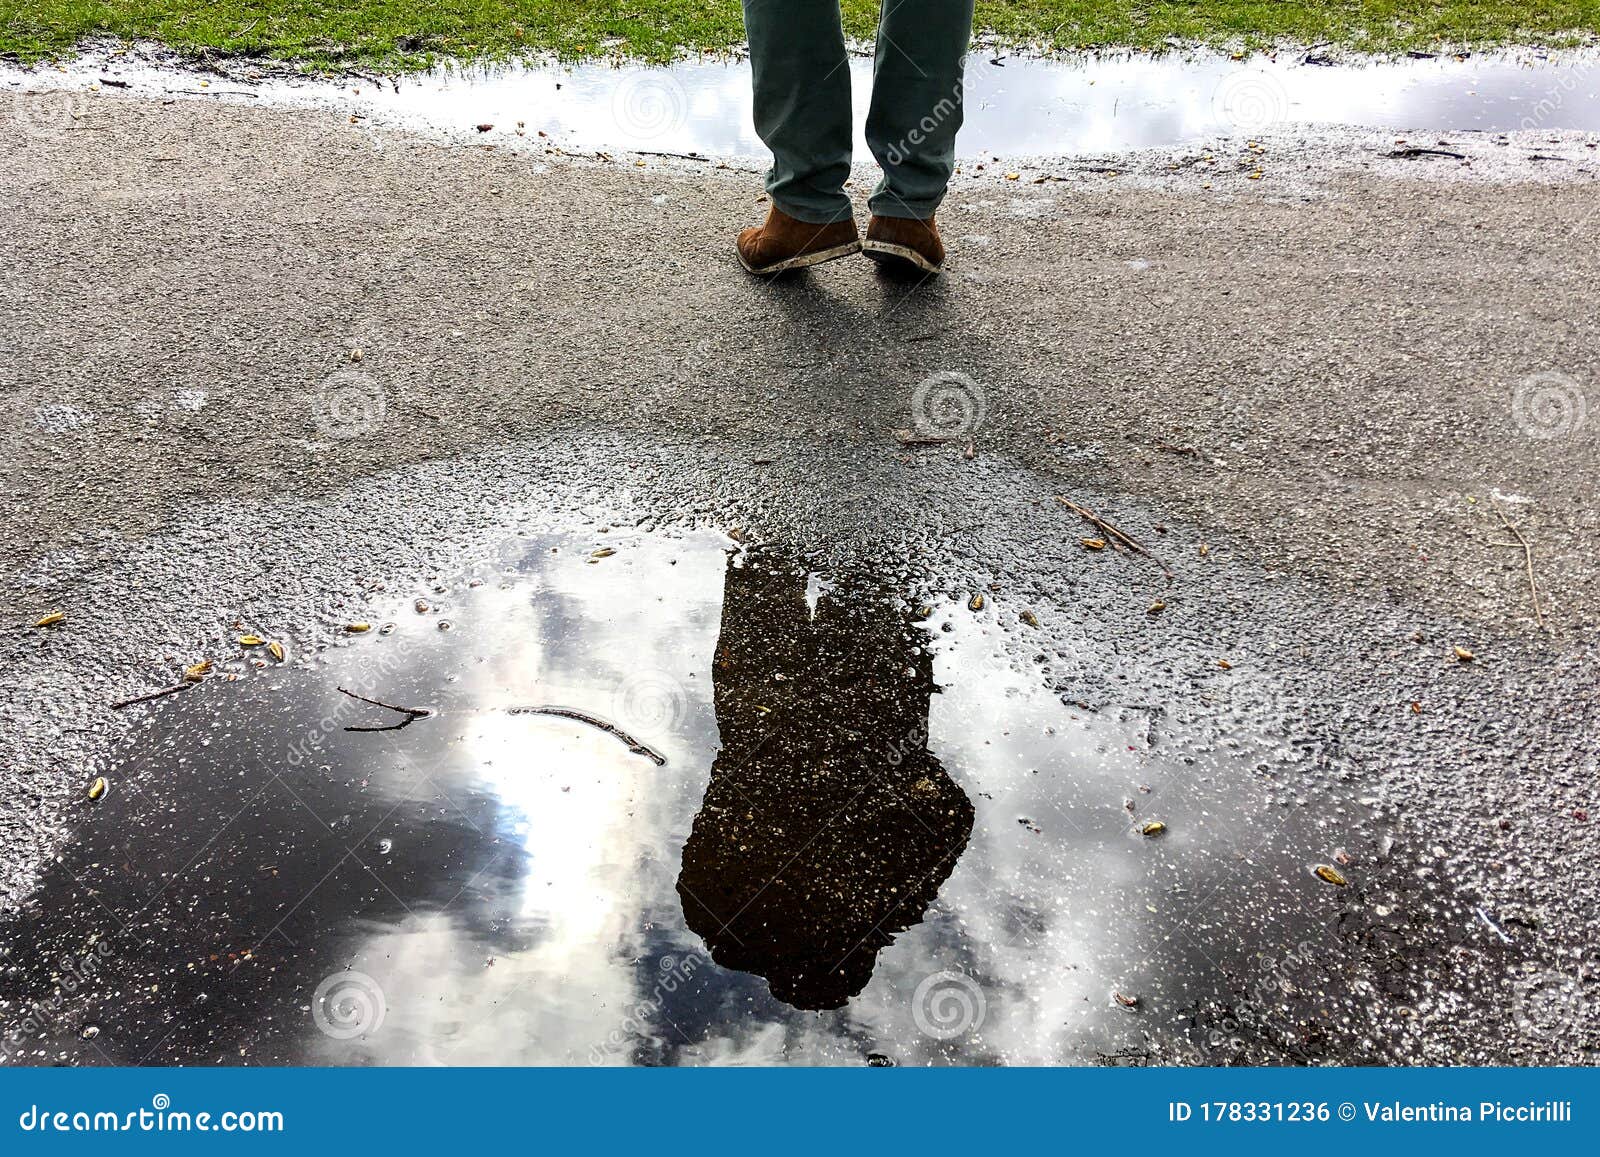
[(916, 102), (802, 104)]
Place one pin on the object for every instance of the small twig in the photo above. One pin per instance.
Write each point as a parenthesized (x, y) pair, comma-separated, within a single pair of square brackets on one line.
[(1115, 534), (1527, 558), (412, 714), (151, 695), (573, 713), (1413, 152), (673, 156), (907, 437)]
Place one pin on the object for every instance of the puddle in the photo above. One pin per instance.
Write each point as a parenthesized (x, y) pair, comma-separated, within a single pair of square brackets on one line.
[(1015, 105), (778, 817)]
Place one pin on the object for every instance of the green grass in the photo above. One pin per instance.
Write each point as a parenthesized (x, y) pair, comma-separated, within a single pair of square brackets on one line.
[(407, 33)]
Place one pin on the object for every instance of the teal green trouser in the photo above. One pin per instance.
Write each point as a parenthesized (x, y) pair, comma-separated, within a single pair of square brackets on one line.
[(802, 103)]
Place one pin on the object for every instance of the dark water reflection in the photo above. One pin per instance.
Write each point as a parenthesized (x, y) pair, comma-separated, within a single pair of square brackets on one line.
[(828, 826), (871, 835)]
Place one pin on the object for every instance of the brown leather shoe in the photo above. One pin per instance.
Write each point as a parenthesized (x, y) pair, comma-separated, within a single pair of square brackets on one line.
[(905, 241), (785, 243)]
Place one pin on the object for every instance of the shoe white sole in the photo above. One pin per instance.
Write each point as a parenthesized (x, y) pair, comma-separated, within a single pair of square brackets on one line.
[(884, 251), (804, 260)]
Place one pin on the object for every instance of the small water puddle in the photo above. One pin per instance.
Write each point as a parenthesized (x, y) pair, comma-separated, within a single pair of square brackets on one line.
[(680, 801), (1015, 105)]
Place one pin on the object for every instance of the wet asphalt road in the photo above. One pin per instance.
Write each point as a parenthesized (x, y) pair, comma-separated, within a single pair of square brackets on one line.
[(1326, 378)]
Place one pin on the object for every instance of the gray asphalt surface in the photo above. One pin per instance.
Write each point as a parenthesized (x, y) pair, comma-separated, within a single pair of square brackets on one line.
[(1329, 378)]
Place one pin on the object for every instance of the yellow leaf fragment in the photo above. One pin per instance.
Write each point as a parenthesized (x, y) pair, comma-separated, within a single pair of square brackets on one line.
[(1030, 618), (975, 603), (197, 671), (1153, 828), (358, 628), (1093, 543), (251, 640), (97, 788), (1331, 874), (1464, 656), (52, 619), (276, 651)]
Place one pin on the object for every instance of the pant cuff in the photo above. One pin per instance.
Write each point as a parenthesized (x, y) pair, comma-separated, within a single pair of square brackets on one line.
[(812, 215), (906, 210)]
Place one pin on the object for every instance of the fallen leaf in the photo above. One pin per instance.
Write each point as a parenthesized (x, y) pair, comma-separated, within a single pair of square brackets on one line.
[(276, 651), (97, 788), (1125, 1001), (358, 628), (1093, 543), (1464, 656), (1156, 608), (975, 603), (197, 672), (52, 619), (604, 552), (483, 128), (1153, 828), (1030, 618), (1331, 874), (1224, 664), (251, 640)]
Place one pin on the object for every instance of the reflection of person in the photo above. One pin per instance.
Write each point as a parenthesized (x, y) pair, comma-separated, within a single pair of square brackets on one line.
[(828, 826), (802, 112)]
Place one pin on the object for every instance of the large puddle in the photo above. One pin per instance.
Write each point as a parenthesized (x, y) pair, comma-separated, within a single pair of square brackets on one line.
[(680, 801), (1015, 105)]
